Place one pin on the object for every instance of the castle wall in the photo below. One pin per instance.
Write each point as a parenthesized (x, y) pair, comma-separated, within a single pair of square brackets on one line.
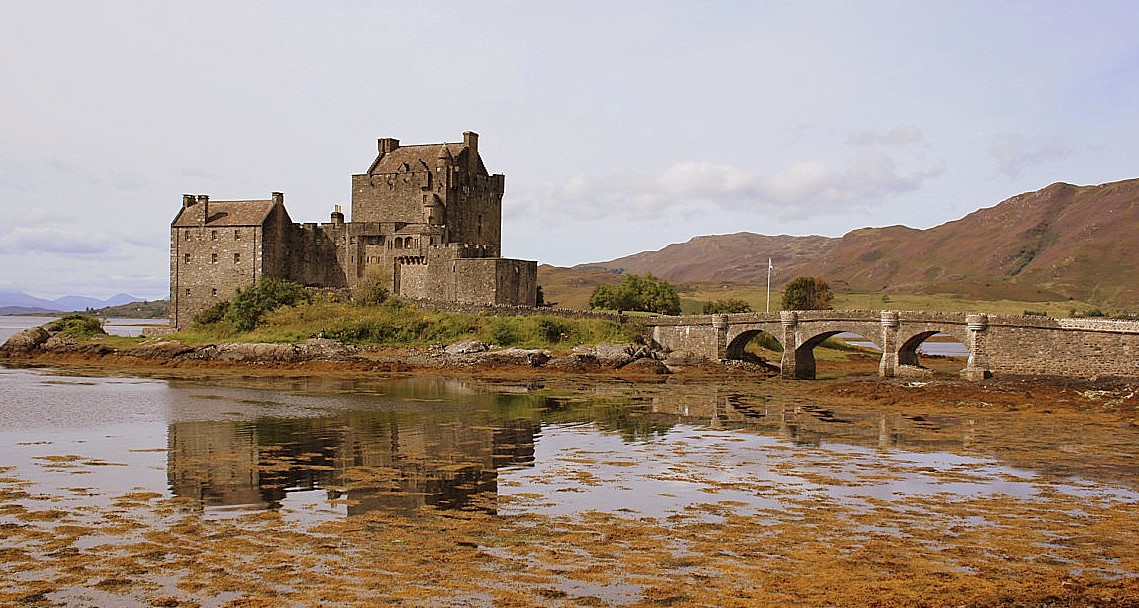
[(208, 265)]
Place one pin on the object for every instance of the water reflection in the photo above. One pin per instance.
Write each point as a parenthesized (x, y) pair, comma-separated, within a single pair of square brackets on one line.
[(443, 443)]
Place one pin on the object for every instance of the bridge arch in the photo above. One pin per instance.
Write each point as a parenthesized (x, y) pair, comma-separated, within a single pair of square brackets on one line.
[(738, 339), (805, 365)]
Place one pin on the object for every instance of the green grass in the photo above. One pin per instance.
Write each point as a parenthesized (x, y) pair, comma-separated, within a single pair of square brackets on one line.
[(395, 322)]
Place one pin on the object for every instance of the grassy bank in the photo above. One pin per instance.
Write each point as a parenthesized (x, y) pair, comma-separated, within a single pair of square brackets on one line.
[(395, 322)]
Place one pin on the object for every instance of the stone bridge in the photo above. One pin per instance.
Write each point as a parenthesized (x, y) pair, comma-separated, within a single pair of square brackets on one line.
[(1006, 344)]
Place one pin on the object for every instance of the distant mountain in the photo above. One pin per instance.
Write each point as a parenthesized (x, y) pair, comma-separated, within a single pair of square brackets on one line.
[(1062, 241), (27, 303)]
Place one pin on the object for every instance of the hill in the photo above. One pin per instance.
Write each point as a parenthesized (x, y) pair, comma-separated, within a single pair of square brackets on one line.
[(1060, 242)]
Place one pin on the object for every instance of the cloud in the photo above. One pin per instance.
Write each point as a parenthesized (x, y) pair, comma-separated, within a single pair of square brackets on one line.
[(901, 135), (798, 191), (1015, 152), (25, 240)]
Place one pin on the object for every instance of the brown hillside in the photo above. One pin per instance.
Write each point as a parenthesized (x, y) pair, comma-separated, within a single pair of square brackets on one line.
[(740, 257), (1060, 242)]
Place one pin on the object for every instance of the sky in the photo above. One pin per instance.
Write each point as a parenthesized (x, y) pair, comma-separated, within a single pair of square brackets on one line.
[(620, 126)]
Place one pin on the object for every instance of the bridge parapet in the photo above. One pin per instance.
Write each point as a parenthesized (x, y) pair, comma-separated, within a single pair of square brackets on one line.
[(1014, 344)]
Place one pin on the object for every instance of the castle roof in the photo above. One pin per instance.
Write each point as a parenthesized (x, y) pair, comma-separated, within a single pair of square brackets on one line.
[(230, 213), (417, 157)]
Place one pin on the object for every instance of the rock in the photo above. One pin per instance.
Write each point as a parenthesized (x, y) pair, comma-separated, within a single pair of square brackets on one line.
[(61, 341), (614, 355), (518, 356), (646, 365), (912, 371), (166, 349), (28, 339), (250, 352), (325, 349), (466, 347), (576, 362), (683, 357)]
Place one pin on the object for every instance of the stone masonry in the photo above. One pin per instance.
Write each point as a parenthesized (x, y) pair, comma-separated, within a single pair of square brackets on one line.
[(426, 220), (1005, 344)]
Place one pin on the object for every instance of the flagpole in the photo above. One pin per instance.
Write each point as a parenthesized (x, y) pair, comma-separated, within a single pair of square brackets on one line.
[(768, 284)]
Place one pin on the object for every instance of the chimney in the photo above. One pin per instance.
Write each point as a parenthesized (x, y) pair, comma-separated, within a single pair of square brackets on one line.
[(187, 200), (278, 198), (337, 215), (471, 141), (204, 201), (387, 144)]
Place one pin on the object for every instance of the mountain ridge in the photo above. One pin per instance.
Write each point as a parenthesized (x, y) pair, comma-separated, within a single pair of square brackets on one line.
[(1062, 241)]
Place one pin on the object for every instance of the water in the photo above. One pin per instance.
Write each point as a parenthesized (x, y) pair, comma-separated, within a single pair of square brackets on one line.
[(119, 460), (941, 345), (120, 327)]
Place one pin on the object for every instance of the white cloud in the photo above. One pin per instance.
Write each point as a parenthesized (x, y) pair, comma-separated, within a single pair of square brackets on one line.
[(1015, 152), (800, 190), (901, 135)]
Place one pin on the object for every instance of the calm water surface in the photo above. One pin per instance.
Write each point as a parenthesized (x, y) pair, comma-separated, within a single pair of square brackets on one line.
[(325, 448)]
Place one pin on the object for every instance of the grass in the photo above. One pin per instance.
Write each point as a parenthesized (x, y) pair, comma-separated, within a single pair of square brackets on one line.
[(395, 322)]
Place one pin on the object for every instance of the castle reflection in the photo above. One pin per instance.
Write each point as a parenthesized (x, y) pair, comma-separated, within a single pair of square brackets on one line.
[(371, 460), (421, 442)]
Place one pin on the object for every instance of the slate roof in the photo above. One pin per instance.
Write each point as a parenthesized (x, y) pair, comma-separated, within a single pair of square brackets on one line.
[(230, 213), (426, 154)]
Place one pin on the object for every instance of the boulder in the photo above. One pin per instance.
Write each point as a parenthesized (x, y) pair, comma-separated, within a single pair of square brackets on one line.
[(517, 356), (466, 347), (325, 349), (61, 341), (576, 362), (28, 339)]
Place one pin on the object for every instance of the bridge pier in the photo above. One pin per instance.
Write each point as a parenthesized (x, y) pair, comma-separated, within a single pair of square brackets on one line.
[(796, 363), (977, 367), (888, 366)]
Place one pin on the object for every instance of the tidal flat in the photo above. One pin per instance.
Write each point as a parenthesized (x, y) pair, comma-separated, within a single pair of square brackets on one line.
[(233, 489)]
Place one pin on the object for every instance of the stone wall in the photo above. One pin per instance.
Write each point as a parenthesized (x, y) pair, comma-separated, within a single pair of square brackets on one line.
[(1004, 344)]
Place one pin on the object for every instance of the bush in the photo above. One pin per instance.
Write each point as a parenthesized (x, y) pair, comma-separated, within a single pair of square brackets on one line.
[(250, 304), (80, 326), (503, 332), (640, 293), (214, 314), (719, 307), (372, 288), (807, 293)]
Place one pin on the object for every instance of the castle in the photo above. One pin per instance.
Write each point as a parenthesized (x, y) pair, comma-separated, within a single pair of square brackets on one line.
[(426, 220)]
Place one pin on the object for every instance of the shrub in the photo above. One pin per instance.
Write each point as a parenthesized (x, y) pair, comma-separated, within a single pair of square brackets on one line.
[(80, 326), (214, 314), (718, 307), (807, 293), (372, 288), (503, 332)]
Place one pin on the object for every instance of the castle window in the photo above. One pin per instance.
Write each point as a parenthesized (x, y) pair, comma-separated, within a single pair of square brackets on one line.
[(237, 234), (187, 235), (185, 258), (213, 258), (214, 292), (236, 258), (213, 235), (187, 291)]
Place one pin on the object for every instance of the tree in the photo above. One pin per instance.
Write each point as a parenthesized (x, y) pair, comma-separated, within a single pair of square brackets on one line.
[(720, 307), (807, 293), (635, 292), (248, 305)]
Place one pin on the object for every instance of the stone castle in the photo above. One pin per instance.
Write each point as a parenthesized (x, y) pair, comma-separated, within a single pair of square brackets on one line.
[(426, 220)]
